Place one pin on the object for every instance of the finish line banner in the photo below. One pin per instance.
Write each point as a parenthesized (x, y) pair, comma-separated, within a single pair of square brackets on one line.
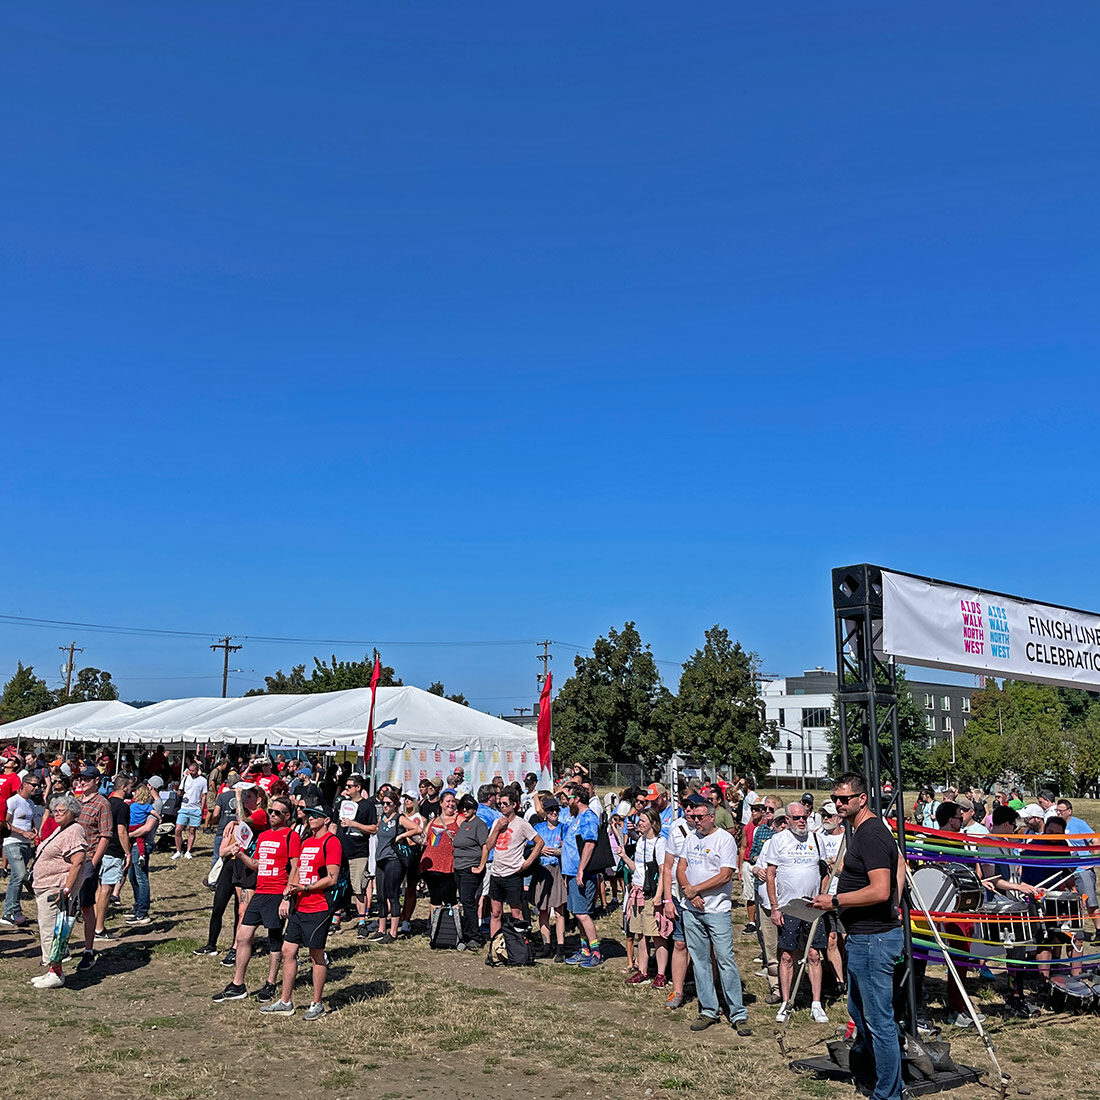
[(925, 622)]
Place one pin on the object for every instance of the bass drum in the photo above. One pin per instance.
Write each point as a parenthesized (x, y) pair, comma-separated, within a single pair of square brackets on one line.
[(947, 888)]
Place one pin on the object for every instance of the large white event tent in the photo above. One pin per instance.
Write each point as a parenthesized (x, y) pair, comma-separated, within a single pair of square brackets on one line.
[(68, 723), (417, 734)]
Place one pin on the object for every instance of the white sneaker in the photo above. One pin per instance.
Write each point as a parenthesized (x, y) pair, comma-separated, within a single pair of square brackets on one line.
[(762, 973), (188, 855), (50, 980), (817, 1013), (783, 1015), (176, 855)]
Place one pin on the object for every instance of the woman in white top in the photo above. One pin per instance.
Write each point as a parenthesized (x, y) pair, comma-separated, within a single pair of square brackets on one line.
[(646, 868)]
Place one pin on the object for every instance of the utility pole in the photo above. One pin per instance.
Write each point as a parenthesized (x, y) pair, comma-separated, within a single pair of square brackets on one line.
[(72, 648), (224, 644), (546, 657), (521, 711)]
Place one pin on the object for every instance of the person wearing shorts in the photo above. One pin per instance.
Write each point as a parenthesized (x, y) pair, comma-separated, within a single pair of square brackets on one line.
[(317, 873), (508, 840), (672, 907), (189, 816), (577, 846), (274, 860), (97, 821)]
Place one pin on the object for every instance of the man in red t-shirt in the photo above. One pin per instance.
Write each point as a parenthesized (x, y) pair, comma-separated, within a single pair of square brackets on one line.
[(317, 872), (275, 861)]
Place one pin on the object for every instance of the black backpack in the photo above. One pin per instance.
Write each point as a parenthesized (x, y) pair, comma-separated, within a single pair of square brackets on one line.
[(511, 946), (602, 855), (445, 932)]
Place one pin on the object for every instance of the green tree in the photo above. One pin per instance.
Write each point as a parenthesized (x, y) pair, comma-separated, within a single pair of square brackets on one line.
[(437, 688), (915, 764), (717, 713), (328, 676), (91, 684), (614, 706), (24, 694)]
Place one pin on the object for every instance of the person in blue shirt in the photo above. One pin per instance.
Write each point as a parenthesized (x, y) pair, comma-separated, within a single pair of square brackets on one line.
[(548, 891), (578, 843), (1084, 878)]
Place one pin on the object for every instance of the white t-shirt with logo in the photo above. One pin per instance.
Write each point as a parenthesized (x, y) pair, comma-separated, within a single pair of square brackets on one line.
[(678, 832), (830, 844), (797, 874), (704, 857), (746, 807), (194, 790)]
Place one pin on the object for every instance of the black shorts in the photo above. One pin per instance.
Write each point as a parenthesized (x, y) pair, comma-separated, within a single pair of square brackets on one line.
[(507, 888), (264, 909), (442, 888), (792, 936), (88, 886), (308, 929)]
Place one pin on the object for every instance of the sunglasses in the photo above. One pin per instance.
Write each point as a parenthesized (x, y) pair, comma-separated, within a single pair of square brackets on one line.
[(796, 817), (844, 799)]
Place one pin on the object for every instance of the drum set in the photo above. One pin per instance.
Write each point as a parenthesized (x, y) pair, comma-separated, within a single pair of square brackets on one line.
[(992, 926)]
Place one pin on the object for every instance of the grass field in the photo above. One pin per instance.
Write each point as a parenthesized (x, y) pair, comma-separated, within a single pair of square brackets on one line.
[(411, 1022)]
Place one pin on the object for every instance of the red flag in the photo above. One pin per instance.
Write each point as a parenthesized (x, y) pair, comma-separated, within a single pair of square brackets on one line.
[(369, 750), (544, 724)]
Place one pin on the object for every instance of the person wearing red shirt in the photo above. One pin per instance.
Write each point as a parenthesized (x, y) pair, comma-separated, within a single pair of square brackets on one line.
[(275, 860), (317, 872), (267, 776)]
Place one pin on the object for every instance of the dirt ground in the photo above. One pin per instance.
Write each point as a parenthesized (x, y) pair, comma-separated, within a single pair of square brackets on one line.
[(407, 1021)]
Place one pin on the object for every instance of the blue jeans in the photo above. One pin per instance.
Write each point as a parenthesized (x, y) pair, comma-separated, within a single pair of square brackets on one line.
[(704, 932), (139, 881), (871, 962), (18, 857)]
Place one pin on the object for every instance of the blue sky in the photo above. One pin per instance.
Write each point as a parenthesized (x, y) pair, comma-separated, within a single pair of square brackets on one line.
[(434, 322)]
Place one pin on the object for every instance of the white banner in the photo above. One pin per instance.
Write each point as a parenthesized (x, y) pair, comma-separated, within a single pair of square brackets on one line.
[(943, 626)]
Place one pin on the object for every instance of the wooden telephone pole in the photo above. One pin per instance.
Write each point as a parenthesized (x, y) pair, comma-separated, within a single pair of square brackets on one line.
[(224, 644), (71, 648)]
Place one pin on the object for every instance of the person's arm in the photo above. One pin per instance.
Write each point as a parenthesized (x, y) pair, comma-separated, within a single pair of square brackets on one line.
[(664, 892), (777, 916), (876, 892), (491, 842), (73, 877), (123, 831), (586, 855), (535, 853)]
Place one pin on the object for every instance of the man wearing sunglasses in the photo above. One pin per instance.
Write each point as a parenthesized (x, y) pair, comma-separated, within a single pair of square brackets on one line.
[(866, 900), (276, 859), (19, 847)]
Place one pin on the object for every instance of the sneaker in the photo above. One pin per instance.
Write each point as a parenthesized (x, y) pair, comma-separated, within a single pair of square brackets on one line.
[(7, 922), (637, 978), (749, 930), (50, 980), (761, 973), (591, 961), (266, 993), (742, 1028), (576, 957), (783, 1015), (964, 1020), (87, 961), (773, 998), (817, 1014), (362, 931), (231, 992), (404, 928), (139, 922), (559, 956), (105, 936), (758, 958), (660, 981), (386, 939), (377, 936), (188, 855), (314, 1012), (701, 1022), (281, 1008), (230, 957), (176, 855), (115, 901), (207, 951), (841, 990)]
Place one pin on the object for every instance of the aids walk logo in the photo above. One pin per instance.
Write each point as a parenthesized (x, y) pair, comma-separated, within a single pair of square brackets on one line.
[(997, 625), (972, 626)]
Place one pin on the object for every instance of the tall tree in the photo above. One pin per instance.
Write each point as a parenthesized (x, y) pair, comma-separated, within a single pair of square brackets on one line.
[(717, 713), (613, 707), (91, 683), (328, 676), (914, 740), (437, 688), (24, 694)]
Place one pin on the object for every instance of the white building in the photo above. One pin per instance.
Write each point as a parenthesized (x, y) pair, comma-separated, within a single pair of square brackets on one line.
[(802, 708)]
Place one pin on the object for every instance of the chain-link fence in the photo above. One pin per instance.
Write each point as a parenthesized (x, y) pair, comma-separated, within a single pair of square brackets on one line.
[(606, 773)]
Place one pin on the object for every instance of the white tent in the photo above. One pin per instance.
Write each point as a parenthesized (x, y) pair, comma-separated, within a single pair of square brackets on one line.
[(417, 734), (68, 723)]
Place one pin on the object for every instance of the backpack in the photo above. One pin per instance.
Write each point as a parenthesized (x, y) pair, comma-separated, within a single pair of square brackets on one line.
[(446, 932), (602, 856), (511, 946)]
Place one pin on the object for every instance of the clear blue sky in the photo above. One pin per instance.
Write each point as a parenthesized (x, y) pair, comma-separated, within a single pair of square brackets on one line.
[(412, 322)]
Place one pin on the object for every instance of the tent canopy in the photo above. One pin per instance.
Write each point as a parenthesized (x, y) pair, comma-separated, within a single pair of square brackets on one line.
[(68, 723)]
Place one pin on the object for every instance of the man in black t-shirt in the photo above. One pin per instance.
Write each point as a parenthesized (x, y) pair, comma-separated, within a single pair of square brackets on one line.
[(357, 819), (866, 898), (116, 856)]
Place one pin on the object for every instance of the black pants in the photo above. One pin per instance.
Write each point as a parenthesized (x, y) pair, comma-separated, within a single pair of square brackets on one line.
[(223, 891), (389, 874), (469, 886)]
